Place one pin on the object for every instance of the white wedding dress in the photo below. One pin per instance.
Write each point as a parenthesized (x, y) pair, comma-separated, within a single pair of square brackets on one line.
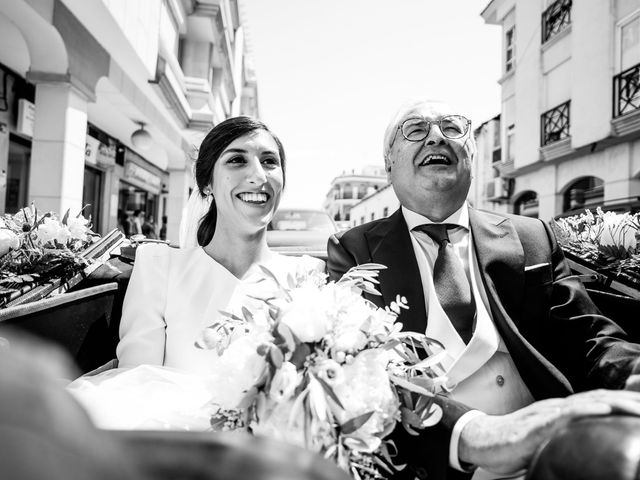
[(163, 380)]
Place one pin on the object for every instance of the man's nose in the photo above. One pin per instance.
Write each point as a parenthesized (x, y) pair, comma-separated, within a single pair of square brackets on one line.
[(435, 136), (256, 173)]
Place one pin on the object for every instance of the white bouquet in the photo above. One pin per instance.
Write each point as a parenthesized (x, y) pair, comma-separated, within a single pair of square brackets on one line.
[(317, 365)]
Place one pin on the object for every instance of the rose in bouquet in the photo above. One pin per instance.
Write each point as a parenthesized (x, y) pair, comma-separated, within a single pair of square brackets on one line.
[(607, 240), (36, 247), (317, 365)]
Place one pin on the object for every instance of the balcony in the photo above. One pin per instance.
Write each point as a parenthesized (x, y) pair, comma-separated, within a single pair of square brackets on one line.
[(626, 101), (555, 19), (554, 124)]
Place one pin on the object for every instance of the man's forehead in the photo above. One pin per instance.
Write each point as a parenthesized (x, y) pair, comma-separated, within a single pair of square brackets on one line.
[(430, 110)]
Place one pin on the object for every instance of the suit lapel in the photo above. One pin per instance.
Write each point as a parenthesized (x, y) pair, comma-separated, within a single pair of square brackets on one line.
[(390, 244), (501, 260)]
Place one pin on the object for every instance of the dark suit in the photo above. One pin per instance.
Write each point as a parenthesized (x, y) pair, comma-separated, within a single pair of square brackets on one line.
[(557, 338)]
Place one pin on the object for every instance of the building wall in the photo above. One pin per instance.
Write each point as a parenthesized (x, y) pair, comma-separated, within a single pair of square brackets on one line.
[(110, 66), (577, 64), (378, 205)]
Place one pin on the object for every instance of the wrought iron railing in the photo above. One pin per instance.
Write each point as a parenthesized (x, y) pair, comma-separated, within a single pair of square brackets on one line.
[(626, 91), (555, 124), (555, 18)]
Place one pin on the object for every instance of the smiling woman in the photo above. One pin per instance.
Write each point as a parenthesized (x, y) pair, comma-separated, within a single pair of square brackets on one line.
[(175, 294)]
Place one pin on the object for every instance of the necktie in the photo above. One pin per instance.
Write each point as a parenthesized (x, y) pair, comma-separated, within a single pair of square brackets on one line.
[(452, 286)]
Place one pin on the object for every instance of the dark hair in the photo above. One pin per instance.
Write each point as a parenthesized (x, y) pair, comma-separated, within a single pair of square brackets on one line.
[(219, 138)]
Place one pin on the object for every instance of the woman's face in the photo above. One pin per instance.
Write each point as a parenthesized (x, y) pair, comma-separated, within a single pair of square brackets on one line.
[(247, 182)]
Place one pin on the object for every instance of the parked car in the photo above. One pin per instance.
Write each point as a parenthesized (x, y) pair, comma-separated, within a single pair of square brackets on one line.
[(300, 231)]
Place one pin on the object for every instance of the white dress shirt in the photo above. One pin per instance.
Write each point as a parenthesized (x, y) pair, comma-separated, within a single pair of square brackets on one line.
[(481, 373)]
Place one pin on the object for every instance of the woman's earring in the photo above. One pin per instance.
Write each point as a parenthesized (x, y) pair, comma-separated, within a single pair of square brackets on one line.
[(207, 192)]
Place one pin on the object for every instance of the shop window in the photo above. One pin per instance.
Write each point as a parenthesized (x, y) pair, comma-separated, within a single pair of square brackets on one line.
[(17, 174), (91, 196)]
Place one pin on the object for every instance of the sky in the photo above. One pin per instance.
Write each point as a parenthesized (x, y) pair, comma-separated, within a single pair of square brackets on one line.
[(331, 73)]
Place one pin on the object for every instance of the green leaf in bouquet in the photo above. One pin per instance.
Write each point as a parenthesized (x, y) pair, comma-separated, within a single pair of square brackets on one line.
[(382, 462), (246, 313), (329, 391), (368, 287), (276, 356), (230, 316), (370, 266), (300, 354), (286, 336), (409, 385), (65, 218), (431, 416), (354, 424)]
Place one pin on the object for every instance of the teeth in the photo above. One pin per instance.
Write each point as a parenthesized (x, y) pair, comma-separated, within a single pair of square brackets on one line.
[(253, 197), (435, 158)]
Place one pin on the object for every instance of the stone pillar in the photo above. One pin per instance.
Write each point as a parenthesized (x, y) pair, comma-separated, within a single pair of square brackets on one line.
[(56, 176), (180, 181)]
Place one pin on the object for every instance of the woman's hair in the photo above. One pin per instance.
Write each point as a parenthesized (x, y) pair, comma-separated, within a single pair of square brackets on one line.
[(219, 138)]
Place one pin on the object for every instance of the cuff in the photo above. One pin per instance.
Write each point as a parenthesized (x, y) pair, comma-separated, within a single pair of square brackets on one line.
[(454, 461)]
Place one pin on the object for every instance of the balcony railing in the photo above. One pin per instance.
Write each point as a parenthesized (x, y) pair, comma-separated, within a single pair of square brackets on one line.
[(555, 19), (554, 124), (626, 91)]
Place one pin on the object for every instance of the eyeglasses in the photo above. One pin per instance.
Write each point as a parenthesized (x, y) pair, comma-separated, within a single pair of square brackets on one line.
[(416, 129)]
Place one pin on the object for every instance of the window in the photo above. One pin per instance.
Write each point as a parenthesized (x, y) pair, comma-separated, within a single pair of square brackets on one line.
[(510, 49), (626, 84), (361, 220), (630, 43), (555, 19), (385, 212), (555, 124), (511, 143), (373, 217)]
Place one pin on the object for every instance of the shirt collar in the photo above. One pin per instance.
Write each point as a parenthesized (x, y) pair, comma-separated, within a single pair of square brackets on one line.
[(460, 217)]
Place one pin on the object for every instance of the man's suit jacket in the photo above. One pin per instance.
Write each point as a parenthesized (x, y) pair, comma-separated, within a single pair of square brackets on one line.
[(557, 338)]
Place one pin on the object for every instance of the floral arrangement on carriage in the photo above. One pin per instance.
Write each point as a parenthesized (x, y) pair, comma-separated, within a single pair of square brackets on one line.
[(42, 252), (606, 243), (317, 365)]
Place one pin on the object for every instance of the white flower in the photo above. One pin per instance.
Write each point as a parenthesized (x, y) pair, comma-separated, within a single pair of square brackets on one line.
[(78, 227), (284, 382), (51, 230), (366, 388), (8, 241), (617, 230), (349, 339), (238, 369), (305, 315), (330, 371)]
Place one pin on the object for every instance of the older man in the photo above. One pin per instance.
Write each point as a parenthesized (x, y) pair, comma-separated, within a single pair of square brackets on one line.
[(498, 293)]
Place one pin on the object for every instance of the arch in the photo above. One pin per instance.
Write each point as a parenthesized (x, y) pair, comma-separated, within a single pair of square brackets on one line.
[(46, 48), (582, 192), (526, 203)]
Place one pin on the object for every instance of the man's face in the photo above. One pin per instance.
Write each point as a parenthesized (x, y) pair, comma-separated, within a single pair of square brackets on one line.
[(436, 169)]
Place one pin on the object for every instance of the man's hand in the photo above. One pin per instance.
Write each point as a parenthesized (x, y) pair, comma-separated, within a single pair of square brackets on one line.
[(507, 443), (633, 383)]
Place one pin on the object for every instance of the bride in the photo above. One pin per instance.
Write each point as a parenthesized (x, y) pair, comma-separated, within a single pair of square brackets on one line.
[(175, 294)]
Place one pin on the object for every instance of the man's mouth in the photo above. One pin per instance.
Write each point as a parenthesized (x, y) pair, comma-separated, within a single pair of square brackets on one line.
[(256, 198), (435, 159)]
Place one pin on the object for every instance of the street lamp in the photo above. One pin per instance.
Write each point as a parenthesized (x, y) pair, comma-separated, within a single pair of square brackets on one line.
[(141, 138)]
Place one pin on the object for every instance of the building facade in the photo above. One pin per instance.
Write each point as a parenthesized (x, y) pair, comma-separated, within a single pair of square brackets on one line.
[(350, 188), (570, 114), (103, 102)]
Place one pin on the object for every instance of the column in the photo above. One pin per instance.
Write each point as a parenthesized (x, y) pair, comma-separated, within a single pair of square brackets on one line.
[(179, 183), (56, 176)]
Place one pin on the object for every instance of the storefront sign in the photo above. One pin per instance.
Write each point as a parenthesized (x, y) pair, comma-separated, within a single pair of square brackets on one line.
[(91, 150), (26, 117), (143, 178), (106, 156)]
